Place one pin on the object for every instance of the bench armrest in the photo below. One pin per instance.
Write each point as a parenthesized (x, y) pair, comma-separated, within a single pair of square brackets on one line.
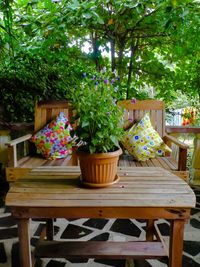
[(12, 149), (182, 153), (19, 140), (174, 140)]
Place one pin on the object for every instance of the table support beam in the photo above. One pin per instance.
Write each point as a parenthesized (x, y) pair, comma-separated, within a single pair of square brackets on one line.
[(176, 243), (24, 242), (49, 229), (150, 230), (99, 250)]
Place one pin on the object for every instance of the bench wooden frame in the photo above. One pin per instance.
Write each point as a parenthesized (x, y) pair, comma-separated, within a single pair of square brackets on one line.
[(176, 162), (46, 110)]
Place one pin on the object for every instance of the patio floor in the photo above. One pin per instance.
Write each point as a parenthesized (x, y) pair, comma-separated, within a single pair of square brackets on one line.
[(96, 229)]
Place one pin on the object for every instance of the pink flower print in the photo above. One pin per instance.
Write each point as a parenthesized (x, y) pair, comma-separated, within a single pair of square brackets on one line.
[(62, 152), (51, 141), (48, 134), (63, 142)]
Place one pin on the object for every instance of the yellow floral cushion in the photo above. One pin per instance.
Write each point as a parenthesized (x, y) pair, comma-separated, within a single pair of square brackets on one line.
[(143, 142)]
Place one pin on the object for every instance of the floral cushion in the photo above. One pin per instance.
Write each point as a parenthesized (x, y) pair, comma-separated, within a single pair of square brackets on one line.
[(143, 142), (53, 141)]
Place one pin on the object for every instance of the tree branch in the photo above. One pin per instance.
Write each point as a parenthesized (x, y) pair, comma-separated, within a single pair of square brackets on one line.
[(150, 36), (145, 16)]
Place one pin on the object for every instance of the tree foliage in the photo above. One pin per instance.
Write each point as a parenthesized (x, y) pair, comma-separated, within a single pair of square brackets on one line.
[(147, 39), (153, 45)]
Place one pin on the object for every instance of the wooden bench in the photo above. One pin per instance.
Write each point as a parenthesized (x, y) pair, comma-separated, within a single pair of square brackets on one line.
[(176, 161), (45, 111)]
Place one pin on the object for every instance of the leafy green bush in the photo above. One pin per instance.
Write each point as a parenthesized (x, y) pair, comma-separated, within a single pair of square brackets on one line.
[(29, 77), (99, 116)]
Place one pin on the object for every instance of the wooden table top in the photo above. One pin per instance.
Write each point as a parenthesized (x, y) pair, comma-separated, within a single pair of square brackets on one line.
[(137, 187)]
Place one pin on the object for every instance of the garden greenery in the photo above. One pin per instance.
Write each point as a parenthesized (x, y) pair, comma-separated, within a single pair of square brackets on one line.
[(45, 45), (99, 117)]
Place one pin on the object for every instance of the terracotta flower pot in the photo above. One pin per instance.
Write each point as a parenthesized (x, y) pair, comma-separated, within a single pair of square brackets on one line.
[(100, 169)]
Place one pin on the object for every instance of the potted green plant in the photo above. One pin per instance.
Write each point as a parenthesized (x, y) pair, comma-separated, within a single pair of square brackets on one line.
[(98, 128)]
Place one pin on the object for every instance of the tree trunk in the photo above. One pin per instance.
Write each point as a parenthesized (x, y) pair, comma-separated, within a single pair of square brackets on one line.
[(113, 61), (120, 57), (7, 18), (95, 50), (130, 70)]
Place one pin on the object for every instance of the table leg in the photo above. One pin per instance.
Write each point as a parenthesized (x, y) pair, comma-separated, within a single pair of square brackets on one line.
[(176, 243), (150, 230), (24, 243), (49, 229), (129, 263)]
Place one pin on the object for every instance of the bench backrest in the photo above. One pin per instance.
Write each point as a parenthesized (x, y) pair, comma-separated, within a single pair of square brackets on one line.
[(135, 111), (47, 110)]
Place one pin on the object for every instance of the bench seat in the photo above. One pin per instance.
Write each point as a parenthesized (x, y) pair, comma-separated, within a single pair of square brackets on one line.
[(27, 163)]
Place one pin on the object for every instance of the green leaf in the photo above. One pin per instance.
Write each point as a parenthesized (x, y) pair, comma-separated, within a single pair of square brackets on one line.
[(100, 20), (84, 123), (87, 15), (74, 5), (92, 149)]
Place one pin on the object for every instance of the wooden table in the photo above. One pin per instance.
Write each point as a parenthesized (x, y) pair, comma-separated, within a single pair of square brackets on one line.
[(142, 193)]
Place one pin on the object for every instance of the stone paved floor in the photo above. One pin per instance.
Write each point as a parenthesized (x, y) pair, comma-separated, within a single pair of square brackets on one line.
[(96, 229)]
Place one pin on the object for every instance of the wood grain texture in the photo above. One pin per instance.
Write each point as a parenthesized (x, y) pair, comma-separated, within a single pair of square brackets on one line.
[(137, 110), (99, 249), (138, 187), (45, 111), (176, 243), (24, 236), (143, 193)]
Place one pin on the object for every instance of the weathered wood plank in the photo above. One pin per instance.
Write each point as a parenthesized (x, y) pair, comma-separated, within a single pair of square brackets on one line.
[(164, 164), (137, 201), (154, 107), (99, 250), (176, 243), (139, 194), (24, 235), (97, 197), (137, 186), (137, 212), (47, 110)]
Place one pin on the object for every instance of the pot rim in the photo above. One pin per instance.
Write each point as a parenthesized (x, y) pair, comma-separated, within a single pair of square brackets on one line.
[(115, 153)]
